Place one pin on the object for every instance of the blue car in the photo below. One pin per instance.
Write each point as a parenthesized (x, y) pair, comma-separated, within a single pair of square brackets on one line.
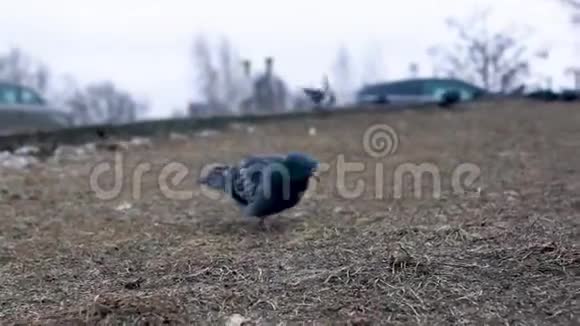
[(418, 90), (23, 110)]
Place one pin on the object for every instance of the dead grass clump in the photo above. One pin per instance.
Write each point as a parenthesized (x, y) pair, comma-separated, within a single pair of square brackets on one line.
[(402, 261), (114, 309), (551, 258)]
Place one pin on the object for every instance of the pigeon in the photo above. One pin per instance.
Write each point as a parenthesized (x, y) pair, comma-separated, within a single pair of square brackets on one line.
[(264, 185), (321, 97)]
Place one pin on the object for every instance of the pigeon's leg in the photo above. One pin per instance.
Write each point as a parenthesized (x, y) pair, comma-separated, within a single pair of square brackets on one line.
[(263, 225)]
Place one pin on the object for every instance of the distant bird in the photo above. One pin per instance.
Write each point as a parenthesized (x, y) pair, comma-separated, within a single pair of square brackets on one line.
[(322, 97), (264, 185)]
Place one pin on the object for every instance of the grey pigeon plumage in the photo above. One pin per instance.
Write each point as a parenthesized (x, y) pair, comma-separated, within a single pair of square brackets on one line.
[(264, 185)]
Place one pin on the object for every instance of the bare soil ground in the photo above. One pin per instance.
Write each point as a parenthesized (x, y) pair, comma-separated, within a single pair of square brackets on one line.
[(503, 252)]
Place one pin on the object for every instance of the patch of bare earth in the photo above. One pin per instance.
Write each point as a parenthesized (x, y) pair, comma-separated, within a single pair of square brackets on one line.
[(505, 251)]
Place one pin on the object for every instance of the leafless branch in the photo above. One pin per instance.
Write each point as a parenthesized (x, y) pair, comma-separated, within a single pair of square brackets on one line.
[(104, 103), (495, 61), (20, 68), (342, 73), (218, 73), (575, 4)]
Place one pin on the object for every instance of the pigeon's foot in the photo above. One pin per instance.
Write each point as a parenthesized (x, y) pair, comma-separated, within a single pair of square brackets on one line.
[(262, 225)]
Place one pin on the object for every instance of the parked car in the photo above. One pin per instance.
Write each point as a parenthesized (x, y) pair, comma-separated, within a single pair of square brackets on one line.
[(548, 95), (23, 110), (419, 90)]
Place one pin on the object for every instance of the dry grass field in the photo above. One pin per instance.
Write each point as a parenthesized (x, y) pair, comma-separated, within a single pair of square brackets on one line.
[(505, 251)]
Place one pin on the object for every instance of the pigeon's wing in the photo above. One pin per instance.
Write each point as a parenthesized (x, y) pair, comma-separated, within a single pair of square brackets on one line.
[(242, 181), (215, 177), (247, 177)]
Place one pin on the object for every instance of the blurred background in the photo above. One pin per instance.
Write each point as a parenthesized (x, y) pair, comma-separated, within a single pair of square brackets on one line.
[(467, 214), (117, 62)]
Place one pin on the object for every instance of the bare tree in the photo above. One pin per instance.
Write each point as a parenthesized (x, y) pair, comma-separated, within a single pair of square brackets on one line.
[(496, 61), (97, 103), (342, 74), (178, 113), (413, 70), (373, 64), (104, 103), (219, 74), (227, 71), (574, 71), (574, 5), (207, 75), (20, 68)]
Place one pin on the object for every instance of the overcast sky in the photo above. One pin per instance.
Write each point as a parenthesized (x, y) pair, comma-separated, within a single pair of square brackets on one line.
[(144, 46)]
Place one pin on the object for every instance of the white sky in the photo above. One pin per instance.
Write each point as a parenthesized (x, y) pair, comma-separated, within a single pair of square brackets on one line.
[(144, 45)]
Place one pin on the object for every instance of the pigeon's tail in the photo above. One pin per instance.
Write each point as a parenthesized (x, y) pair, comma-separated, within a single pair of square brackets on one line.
[(216, 178)]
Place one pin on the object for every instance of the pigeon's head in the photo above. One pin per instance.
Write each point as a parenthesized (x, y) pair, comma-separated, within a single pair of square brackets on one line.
[(301, 166)]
